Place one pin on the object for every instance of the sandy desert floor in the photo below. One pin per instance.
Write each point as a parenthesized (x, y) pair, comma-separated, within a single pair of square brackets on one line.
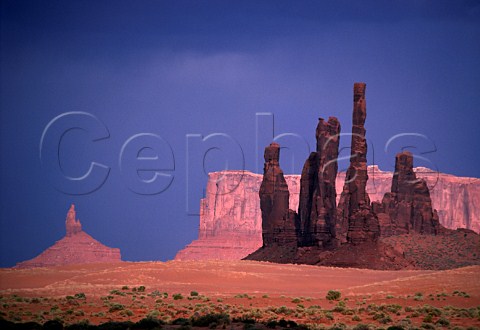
[(243, 290)]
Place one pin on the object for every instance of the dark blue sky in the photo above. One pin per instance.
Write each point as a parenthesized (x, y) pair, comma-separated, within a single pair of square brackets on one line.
[(184, 70)]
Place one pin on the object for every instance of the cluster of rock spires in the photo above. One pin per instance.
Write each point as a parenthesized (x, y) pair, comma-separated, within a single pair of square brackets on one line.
[(347, 235), (230, 225), (77, 247)]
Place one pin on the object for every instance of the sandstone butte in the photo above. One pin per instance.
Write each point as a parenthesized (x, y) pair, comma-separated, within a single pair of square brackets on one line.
[(77, 247), (231, 217)]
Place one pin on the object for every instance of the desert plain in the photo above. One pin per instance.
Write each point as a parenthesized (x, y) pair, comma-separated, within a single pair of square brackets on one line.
[(250, 293)]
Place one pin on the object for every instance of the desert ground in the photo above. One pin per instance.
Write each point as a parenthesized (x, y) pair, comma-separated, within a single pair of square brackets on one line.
[(245, 291)]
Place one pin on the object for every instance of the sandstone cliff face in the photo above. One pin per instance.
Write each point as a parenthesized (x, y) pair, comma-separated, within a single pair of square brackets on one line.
[(456, 199), (77, 247), (230, 216), (231, 220)]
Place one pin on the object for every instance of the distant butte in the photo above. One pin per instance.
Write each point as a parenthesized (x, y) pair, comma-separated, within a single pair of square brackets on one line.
[(77, 247)]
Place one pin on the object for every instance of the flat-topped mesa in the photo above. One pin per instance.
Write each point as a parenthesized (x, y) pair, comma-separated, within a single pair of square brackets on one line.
[(408, 207), (356, 222), (317, 202), (278, 222), (72, 225)]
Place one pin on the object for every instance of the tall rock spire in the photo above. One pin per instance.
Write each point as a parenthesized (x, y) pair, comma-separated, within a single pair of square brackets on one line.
[(72, 225), (357, 223), (317, 202), (278, 222)]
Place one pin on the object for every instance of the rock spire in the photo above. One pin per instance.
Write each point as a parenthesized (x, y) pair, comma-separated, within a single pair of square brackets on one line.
[(357, 223), (278, 222), (408, 207), (72, 224), (317, 202)]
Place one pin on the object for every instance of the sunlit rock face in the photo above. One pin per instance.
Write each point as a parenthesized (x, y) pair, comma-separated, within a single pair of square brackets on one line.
[(77, 247), (231, 219), (407, 207)]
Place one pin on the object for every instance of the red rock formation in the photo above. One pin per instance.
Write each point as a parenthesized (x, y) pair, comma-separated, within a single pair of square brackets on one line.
[(408, 206), (356, 218), (231, 221), (72, 225), (231, 215), (77, 247), (278, 222), (456, 199), (317, 202)]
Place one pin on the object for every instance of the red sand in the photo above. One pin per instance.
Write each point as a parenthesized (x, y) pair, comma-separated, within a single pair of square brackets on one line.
[(225, 279)]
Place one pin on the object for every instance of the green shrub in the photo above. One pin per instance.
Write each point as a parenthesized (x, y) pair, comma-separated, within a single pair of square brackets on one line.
[(333, 295), (428, 318), (177, 296), (116, 307), (194, 294), (338, 309), (80, 295), (443, 322), (418, 296), (153, 314), (126, 312), (386, 319), (361, 327), (338, 326), (207, 320)]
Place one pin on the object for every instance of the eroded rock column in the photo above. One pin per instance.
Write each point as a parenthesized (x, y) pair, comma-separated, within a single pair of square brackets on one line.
[(357, 223), (408, 207), (278, 222), (317, 202)]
